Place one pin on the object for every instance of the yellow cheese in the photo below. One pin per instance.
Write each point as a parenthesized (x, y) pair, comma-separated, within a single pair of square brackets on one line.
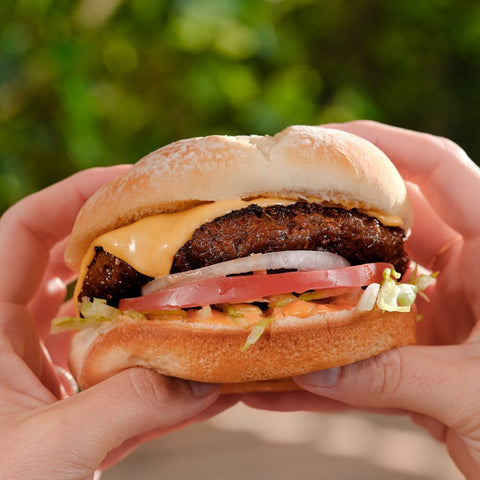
[(387, 220)]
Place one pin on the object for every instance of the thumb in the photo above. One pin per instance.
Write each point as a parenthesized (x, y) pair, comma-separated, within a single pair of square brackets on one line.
[(434, 381), (129, 404)]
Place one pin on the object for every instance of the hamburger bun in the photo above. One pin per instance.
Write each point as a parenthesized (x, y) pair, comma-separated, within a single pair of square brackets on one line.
[(334, 167), (213, 354), (302, 163)]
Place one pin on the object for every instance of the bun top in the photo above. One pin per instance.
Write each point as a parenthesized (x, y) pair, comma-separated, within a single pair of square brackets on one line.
[(331, 166)]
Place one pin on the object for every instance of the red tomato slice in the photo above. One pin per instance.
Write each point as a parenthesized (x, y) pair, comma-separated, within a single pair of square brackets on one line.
[(244, 287)]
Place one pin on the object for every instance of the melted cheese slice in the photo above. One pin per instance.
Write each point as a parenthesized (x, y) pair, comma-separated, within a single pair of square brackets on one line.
[(387, 220)]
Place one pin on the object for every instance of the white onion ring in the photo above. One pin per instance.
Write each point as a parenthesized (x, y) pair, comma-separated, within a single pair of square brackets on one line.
[(303, 260)]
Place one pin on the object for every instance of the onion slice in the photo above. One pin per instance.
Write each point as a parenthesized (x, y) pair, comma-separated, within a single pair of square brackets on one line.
[(303, 260), (369, 298)]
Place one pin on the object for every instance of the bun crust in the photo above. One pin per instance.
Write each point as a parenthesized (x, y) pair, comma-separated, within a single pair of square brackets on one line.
[(331, 166), (209, 353)]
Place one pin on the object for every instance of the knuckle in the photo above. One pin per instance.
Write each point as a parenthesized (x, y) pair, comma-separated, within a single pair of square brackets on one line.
[(449, 148), (447, 144), (387, 370), (149, 387)]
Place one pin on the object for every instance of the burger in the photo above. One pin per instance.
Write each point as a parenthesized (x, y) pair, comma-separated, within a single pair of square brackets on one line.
[(243, 260)]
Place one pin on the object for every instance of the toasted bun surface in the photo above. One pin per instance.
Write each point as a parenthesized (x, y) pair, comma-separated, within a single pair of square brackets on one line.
[(331, 166), (206, 353)]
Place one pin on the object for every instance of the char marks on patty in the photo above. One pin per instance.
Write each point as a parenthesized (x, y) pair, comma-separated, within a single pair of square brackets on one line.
[(111, 278), (299, 226)]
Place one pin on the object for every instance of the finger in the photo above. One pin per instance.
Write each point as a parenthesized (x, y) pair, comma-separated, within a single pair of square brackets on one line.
[(20, 383), (58, 344), (448, 317), (446, 176), (52, 291), (423, 380), (130, 404), (29, 229), (221, 404), (436, 429), (293, 401), (424, 247), (305, 402), (47, 303), (56, 263)]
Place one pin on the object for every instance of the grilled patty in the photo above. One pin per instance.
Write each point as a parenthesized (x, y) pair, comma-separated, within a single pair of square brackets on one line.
[(254, 229), (111, 278)]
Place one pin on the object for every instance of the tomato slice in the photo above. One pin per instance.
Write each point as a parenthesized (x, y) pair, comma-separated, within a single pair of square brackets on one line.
[(245, 287)]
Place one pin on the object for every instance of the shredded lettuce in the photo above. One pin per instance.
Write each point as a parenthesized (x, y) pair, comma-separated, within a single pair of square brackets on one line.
[(65, 324), (256, 332), (98, 309), (314, 295), (239, 310), (281, 299), (399, 297), (94, 312)]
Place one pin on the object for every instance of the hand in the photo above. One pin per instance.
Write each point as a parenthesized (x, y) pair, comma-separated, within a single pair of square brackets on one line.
[(43, 435), (437, 383)]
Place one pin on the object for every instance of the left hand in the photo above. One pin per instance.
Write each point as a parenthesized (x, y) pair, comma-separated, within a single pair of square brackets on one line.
[(43, 434)]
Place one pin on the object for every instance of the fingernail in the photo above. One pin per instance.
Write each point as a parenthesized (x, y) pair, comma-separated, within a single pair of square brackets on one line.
[(200, 389), (323, 378)]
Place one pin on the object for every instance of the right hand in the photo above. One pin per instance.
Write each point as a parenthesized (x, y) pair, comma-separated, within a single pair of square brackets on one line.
[(437, 382)]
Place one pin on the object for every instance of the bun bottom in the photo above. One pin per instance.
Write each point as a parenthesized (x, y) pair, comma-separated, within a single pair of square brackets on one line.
[(212, 353)]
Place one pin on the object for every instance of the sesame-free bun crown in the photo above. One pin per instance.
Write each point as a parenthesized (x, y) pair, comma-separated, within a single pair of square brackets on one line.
[(330, 166)]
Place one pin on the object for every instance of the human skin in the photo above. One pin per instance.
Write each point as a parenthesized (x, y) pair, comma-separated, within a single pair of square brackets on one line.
[(436, 382), (43, 432)]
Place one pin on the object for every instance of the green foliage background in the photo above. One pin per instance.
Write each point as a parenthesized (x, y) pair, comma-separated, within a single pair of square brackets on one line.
[(99, 82)]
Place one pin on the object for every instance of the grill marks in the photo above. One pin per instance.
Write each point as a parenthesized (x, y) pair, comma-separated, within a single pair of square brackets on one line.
[(300, 226), (111, 278)]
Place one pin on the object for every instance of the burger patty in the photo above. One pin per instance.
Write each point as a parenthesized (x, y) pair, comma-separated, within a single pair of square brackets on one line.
[(299, 226), (254, 229), (111, 278)]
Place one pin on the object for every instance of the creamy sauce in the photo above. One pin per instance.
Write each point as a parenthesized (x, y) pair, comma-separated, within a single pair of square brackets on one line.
[(298, 308)]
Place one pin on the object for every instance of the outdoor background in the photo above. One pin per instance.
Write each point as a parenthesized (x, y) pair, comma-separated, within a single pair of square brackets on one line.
[(98, 82)]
